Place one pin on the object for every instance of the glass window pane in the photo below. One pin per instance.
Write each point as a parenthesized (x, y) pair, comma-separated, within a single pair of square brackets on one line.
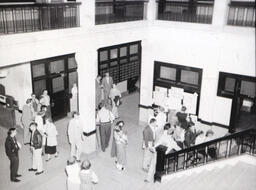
[(103, 66), (134, 58), (73, 78), (123, 51), (57, 66), (103, 55), (123, 61), (58, 84), (72, 63), (248, 88), (167, 73), (189, 77), (230, 84), (113, 53), (39, 86), (38, 70), (134, 49), (113, 63)]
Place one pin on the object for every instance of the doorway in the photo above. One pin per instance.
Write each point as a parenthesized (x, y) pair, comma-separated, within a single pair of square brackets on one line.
[(243, 111), (57, 75)]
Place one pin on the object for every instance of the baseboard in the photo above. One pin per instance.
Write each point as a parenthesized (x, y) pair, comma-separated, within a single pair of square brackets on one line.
[(90, 133), (213, 123)]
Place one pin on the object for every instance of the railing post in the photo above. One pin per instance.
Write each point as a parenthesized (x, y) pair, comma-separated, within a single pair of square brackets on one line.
[(160, 162)]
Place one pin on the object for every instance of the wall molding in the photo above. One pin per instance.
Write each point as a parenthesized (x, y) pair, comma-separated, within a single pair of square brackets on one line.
[(90, 133)]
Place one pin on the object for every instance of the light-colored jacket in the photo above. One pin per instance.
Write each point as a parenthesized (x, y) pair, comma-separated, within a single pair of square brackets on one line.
[(75, 131), (52, 133)]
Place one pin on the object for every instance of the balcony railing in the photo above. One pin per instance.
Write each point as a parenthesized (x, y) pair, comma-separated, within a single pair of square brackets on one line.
[(119, 11), (31, 17), (201, 154), (186, 10), (241, 14)]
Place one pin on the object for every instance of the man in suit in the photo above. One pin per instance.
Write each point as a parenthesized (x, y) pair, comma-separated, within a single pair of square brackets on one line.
[(75, 136), (26, 119), (11, 148), (149, 137), (107, 83), (36, 147)]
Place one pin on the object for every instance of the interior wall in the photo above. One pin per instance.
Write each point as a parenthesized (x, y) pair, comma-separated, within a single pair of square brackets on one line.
[(203, 47), (18, 83)]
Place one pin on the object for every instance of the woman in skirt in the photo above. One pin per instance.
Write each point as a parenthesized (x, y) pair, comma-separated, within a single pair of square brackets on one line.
[(121, 143), (51, 139)]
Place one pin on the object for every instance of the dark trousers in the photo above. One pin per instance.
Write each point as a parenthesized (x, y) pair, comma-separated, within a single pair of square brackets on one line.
[(105, 132), (14, 165)]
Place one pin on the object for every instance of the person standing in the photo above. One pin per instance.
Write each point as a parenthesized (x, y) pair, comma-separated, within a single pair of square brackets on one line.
[(36, 147), (51, 139), (74, 98), (35, 104), (107, 83), (73, 174), (182, 118), (121, 141), (75, 136), (12, 147), (46, 101), (98, 90), (149, 137), (104, 119), (115, 96), (39, 120), (26, 119), (87, 177)]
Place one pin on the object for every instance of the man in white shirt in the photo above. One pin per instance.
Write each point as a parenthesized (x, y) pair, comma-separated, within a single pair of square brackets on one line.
[(166, 140), (104, 119), (73, 178), (107, 83), (75, 136)]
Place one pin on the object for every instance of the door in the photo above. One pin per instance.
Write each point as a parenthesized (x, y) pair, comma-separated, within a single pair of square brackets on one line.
[(58, 87), (57, 75)]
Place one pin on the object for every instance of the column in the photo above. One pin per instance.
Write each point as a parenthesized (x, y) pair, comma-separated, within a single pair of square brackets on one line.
[(220, 13)]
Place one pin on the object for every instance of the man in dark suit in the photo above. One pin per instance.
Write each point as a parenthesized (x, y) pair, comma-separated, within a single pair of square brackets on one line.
[(11, 148), (36, 147), (149, 136)]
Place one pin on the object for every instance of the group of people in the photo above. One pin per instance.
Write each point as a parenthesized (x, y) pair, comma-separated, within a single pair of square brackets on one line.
[(39, 133), (108, 92), (174, 137)]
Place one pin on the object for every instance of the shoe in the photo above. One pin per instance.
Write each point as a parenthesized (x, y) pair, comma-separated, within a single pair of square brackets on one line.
[(32, 170), (38, 173), (146, 181), (123, 168), (18, 175), (78, 161), (48, 159), (15, 180)]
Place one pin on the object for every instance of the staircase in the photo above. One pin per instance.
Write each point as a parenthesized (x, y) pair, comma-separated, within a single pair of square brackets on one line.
[(237, 173)]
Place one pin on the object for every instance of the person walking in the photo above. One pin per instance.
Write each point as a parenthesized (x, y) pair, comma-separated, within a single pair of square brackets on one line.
[(121, 140), (104, 119), (107, 83), (51, 139), (36, 147), (12, 146), (115, 96), (87, 177), (26, 119), (46, 101), (75, 136), (98, 90)]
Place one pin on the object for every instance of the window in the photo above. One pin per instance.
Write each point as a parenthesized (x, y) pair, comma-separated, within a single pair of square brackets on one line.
[(189, 77), (229, 84), (248, 88), (121, 61), (167, 73)]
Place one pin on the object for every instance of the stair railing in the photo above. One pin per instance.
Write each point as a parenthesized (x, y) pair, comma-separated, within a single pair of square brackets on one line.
[(201, 154)]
